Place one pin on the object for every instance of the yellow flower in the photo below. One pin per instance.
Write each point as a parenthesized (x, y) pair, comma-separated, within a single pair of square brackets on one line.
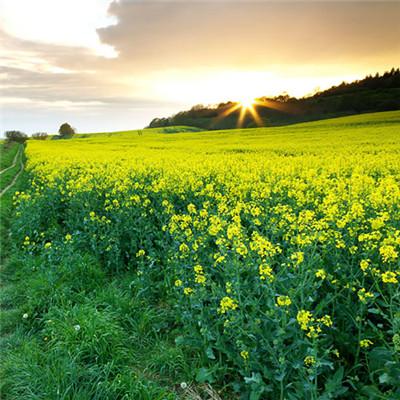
[(68, 237), (47, 245), (304, 318), (266, 272), (388, 253), (336, 352), (187, 291), (184, 248), (389, 277), (178, 283), (321, 273), (309, 361), (198, 269), (244, 354), (365, 343), (242, 249), (284, 301), (191, 208), (364, 264), (200, 279), (297, 257), (140, 253), (326, 320), (227, 304), (363, 295)]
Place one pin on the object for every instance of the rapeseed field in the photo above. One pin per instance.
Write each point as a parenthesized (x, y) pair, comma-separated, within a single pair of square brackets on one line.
[(273, 252)]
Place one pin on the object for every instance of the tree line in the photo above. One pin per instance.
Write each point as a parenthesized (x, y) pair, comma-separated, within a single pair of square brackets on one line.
[(374, 93), (65, 131)]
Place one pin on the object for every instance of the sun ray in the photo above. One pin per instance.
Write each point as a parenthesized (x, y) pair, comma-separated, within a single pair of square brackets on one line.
[(248, 106), (241, 116)]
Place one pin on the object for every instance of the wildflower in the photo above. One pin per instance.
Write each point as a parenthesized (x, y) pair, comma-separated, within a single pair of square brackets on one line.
[(364, 264), (47, 245), (326, 320), (266, 272), (313, 332), (283, 301), (336, 353), (363, 295), (198, 269), (365, 343), (188, 291), (25, 316), (309, 361), (297, 257), (140, 253), (388, 253), (219, 259), (200, 279), (68, 237), (321, 273), (178, 283), (244, 354), (227, 304), (304, 318), (242, 249), (191, 208), (92, 214), (389, 277), (184, 248)]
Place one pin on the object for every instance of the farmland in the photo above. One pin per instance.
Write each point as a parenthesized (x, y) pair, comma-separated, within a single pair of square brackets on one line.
[(256, 264)]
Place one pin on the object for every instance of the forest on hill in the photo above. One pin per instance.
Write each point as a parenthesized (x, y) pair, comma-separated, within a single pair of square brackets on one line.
[(374, 93)]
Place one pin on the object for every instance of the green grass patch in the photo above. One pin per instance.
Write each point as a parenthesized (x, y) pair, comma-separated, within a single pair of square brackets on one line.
[(8, 150)]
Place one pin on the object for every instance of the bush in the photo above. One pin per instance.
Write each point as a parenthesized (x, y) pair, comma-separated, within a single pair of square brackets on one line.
[(16, 136), (40, 136)]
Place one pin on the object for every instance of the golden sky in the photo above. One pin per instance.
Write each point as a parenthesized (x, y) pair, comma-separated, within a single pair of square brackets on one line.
[(107, 65)]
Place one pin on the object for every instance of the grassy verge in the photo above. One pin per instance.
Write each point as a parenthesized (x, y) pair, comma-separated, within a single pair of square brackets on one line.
[(7, 152), (7, 177)]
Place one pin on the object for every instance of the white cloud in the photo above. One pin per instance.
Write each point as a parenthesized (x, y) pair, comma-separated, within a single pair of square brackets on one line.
[(61, 22)]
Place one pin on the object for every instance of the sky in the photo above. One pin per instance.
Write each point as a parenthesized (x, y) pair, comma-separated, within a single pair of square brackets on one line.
[(105, 65)]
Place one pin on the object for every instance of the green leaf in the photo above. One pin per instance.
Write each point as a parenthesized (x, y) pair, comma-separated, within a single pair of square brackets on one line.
[(204, 375), (210, 354)]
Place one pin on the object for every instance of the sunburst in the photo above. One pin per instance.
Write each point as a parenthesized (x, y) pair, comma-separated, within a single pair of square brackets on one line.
[(248, 106)]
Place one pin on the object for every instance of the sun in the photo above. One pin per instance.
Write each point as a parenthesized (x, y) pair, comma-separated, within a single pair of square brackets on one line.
[(246, 102)]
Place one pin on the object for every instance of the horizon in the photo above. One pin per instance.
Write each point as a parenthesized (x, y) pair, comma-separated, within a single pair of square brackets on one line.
[(127, 62)]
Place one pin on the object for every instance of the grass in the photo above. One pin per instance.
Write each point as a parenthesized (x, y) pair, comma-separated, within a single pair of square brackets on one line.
[(7, 153)]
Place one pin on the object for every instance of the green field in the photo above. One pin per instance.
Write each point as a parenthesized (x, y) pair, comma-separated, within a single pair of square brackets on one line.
[(174, 263)]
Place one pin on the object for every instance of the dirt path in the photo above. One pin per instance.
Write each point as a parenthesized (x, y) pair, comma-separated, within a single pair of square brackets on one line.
[(14, 161), (12, 183)]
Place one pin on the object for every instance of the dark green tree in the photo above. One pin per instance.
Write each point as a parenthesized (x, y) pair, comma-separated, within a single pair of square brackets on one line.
[(66, 130), (40, 136), (16, 136)]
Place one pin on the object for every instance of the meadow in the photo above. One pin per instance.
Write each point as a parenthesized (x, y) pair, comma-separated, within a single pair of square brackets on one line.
[(241, 264)]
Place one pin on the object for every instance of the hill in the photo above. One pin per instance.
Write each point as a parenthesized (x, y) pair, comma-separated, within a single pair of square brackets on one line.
[(371, 94)]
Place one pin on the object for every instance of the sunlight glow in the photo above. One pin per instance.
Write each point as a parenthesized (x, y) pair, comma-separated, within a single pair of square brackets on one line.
[(247, 102)]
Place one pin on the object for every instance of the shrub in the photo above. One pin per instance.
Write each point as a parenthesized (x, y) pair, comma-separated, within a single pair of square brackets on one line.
[(40, 136), (16, 136)]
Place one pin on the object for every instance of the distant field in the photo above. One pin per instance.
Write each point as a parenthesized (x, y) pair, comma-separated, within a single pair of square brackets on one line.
[(261, 262)]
